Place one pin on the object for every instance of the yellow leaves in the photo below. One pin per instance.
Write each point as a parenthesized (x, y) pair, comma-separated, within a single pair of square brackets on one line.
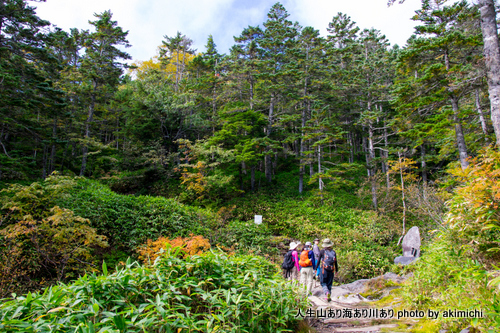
[(141, 68), (195, 180), (475, 205), (405, 168)]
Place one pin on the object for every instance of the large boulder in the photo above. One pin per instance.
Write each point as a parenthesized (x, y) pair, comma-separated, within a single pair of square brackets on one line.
[(411, 247), (411, 243)]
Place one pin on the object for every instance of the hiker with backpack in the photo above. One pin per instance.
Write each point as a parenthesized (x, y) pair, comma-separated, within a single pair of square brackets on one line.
[(307, 267), (328, 262), (290, 264), (316, 256)]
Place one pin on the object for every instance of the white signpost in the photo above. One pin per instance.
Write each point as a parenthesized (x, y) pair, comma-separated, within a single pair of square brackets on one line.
[(258, 219)]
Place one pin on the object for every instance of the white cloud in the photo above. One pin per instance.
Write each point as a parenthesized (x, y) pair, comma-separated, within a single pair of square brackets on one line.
[(149, 21), (394, 22)]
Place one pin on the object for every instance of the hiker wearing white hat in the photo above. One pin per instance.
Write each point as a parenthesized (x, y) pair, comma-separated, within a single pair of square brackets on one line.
[(328, 267), (290, 264)]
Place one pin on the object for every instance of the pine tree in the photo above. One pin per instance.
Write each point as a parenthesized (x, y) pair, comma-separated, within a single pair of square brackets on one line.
[(278, 39), (27, 93), (100, 67), (441, 58)]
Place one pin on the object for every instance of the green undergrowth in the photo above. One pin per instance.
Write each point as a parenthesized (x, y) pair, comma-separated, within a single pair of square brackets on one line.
[(364, 240), (208, 293), (447, 278), (128, 221)]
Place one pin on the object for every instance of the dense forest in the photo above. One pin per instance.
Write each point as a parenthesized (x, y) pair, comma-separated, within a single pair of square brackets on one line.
[(102, 164)]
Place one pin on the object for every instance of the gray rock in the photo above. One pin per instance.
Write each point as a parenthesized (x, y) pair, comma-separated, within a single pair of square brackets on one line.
[(357, 286), (411, 243), (338, 292), (466, 330), (404, 260), (394, 277), (443, 331)]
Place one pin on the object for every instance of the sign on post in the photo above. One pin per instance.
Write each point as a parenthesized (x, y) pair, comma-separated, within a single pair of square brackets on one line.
[(258, 219)]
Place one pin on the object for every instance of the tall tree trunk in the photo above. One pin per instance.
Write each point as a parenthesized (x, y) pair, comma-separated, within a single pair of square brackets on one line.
[(492, 60), (459, 133), (371, 166), (386, 159), (482, 120), (402, 193)]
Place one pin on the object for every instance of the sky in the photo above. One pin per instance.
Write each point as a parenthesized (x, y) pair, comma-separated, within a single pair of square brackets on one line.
[(148, 21)]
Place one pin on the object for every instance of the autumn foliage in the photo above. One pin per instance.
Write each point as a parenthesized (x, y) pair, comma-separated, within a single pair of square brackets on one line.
[(475, 207), (192, 245), (40, 242)]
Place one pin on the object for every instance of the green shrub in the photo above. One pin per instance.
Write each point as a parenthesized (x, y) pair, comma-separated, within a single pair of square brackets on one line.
[(208, 293), (41, 243), (245, 237), (129, 221)]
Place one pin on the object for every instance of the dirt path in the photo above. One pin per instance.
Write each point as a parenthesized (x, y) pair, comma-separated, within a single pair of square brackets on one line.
[(349, 311)]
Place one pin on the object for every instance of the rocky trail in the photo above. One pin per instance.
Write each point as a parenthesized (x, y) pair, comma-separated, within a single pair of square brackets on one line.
[(350, 311)]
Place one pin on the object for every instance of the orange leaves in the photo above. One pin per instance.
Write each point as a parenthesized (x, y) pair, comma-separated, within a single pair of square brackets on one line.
[(192, 245)]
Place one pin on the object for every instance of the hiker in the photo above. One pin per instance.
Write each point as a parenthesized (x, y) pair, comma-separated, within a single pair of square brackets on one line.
[(307, 267), (328, 262), (290, 264), (316, 256)]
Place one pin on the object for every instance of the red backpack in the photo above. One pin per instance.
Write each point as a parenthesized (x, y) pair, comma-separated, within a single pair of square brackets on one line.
[(304, 259)]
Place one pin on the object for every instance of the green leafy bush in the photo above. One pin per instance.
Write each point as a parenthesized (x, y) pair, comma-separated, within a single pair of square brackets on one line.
[(209, 293), (129, 221), (41, 243)]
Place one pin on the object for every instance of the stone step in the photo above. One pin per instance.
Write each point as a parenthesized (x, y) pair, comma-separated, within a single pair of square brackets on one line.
[(318, 302)]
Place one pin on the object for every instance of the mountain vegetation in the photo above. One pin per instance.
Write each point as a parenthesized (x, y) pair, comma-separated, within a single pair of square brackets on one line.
[(129, 189)]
